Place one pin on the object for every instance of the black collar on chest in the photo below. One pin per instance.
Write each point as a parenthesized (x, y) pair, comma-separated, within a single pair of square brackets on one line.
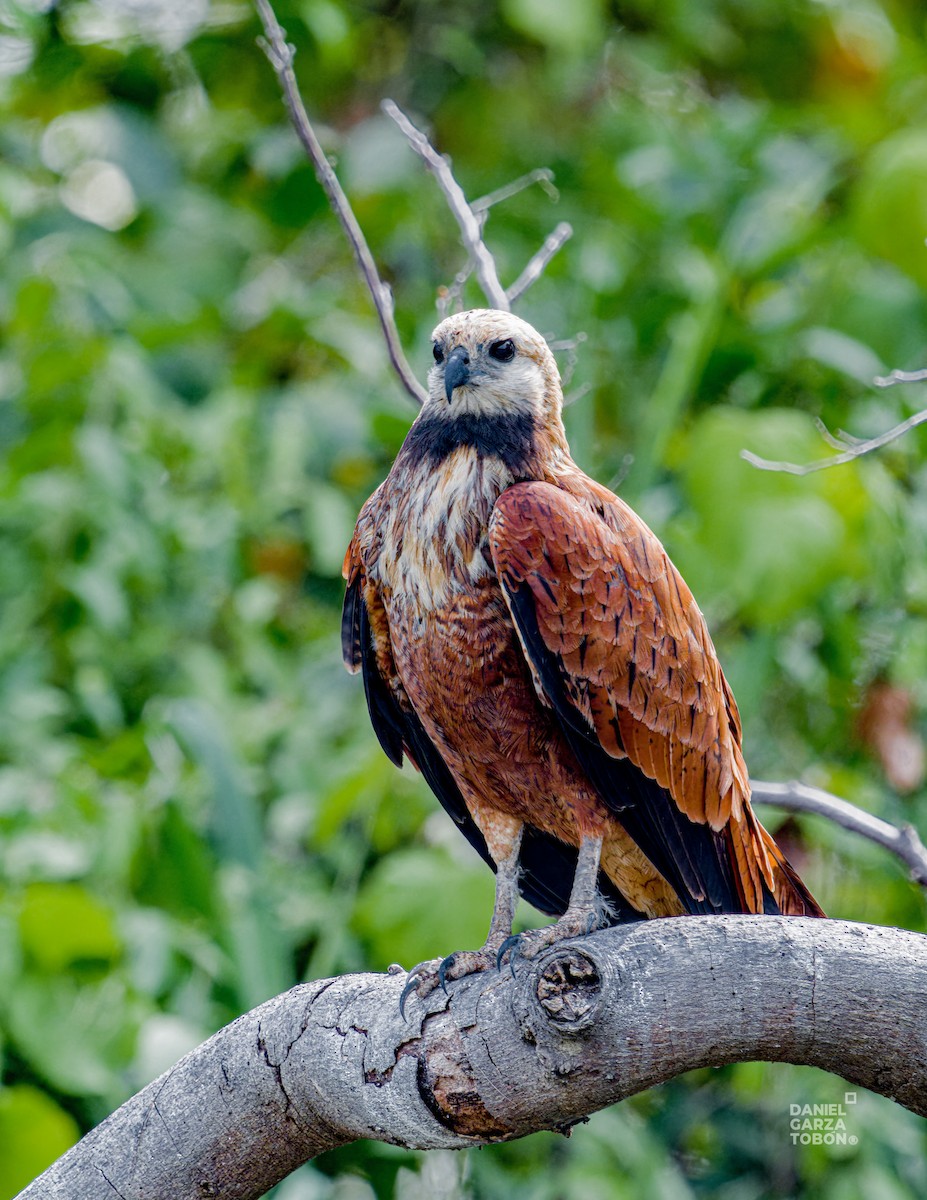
[(508, 436)]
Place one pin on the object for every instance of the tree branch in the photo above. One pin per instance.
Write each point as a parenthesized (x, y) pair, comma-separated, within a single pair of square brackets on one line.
[(280, 55), (857, 446), (543, 176), (538, 264), (469, 217), (904, 842), (901, 377), (857, 450), (584, 1026), (471, 230)]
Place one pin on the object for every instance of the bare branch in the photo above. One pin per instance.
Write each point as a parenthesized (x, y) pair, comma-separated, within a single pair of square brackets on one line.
[(900, 377), (799, 797), (571, 346), (855, 451), (850, 447), (841, 440), (847, 440), (537, 265), (627, 462), (541, 175), (469, 217), (583, 1026), (471, 230), (449, 297), (576, 395), (280, 54)]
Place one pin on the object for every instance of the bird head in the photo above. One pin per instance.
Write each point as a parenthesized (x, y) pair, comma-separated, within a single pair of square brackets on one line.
[(489, 364)]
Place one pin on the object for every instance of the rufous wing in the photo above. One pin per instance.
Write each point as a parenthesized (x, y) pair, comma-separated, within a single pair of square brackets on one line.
[(620, 650)]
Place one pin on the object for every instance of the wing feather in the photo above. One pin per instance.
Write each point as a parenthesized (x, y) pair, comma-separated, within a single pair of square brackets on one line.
[(691, 857), (621, 651)]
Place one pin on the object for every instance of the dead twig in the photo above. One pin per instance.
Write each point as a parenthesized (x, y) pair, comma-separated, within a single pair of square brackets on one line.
[(280, 55), (901, 377), (471, 217), (543, 176), (855, 451), (841, 440), (571, 347), (903, 842), (850, 447), (471, 229), (450, 297), (538, 264)]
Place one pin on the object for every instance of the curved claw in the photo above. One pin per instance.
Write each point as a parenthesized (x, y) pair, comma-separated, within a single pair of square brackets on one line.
[(411, 985), (510, 943), (443, 969)]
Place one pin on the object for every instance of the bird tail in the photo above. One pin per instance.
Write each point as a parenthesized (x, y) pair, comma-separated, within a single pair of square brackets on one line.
[(789, 893)]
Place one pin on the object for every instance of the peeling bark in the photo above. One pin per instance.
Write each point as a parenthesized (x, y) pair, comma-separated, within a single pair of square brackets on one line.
[(587, 1024)]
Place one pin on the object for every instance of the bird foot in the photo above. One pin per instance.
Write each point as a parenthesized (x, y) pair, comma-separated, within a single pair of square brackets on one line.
[(438, 972), (435, 973), (574, 923)]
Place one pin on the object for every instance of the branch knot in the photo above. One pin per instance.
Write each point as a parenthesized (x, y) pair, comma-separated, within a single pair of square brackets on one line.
[(569, 990)]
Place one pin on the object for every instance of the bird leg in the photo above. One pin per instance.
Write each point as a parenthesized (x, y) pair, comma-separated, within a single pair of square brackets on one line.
[(433, 973), (582, 914), (584, 895)]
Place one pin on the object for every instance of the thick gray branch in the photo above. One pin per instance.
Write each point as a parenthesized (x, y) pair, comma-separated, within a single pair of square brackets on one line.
[(586, 1025)]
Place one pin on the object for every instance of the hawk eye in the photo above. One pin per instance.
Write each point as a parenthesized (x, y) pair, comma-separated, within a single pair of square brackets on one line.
[(503, 351), (438, 353)]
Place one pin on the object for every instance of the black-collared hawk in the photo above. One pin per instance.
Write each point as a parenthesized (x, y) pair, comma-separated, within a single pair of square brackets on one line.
[(526, 642)]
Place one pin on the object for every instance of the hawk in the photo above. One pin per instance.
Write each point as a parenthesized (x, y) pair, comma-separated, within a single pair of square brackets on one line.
[(527, 644)]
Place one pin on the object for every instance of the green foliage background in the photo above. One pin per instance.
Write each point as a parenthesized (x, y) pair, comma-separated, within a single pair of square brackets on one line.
[(195, 401)]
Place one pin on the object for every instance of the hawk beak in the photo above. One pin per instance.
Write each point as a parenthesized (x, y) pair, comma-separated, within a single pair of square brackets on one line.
[(457, 371)]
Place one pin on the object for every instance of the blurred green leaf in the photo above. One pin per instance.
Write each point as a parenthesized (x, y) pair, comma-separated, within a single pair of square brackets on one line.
[(403, 911), (573, 28), (34, 1131), (753, 526), (891, 202), (78, 1036), (61, 925)]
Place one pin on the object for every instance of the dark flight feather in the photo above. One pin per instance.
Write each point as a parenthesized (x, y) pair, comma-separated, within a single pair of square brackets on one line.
[(691, 856)]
